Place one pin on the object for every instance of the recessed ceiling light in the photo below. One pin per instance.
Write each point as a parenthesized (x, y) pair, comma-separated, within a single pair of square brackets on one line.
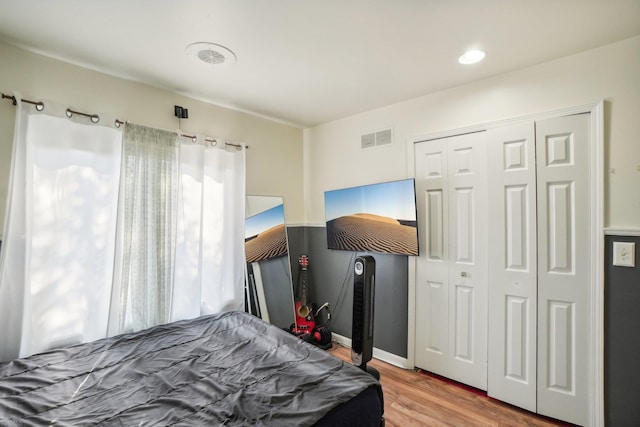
[(471, 57), (211, 53)]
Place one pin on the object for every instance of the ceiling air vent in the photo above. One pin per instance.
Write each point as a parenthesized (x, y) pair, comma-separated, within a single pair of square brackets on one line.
[(376, 139), (211, 56), (211, 53)]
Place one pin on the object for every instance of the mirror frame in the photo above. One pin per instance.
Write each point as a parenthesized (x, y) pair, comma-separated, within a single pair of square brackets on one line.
[(267, 295)]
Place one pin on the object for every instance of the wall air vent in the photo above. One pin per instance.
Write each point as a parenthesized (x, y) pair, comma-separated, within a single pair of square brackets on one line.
[(376, 139)]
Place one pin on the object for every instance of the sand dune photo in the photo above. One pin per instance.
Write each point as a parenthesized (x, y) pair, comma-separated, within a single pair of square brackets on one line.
[(373, 218), (268, 244), (369, 232)]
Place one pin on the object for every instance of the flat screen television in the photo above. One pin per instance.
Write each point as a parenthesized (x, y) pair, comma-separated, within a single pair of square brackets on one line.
[(373, 218)]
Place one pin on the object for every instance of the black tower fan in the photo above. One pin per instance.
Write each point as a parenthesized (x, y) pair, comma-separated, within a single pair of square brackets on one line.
[(362, 323)]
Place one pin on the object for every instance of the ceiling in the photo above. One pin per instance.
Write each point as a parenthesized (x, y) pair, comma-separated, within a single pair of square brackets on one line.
[(307, 62)]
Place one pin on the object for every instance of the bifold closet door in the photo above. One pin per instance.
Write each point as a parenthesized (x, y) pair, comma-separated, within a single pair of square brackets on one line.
[(564, 262), (512, 264), (539, 266), (451, 276)]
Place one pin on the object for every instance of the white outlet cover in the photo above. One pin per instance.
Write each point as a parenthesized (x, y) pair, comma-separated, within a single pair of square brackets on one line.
[(624, 254)]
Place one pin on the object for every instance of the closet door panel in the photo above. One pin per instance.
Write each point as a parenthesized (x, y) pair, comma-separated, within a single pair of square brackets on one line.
[(512, 260), (464, 225), (517, 339), (464, 324), (559, 218), (435, 220), (468, 258), (517, 205), (432, 284), (563, 267), (436, 297)]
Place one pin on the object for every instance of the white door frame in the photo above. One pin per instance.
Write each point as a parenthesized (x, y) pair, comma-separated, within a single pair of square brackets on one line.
[(596, 191)]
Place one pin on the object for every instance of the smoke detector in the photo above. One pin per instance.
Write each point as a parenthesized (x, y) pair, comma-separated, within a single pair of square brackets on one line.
[(211, 53)]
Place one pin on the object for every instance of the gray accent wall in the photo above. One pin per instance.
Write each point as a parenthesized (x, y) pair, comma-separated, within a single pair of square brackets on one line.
[(331, 280), (621, 338), (331, 275)]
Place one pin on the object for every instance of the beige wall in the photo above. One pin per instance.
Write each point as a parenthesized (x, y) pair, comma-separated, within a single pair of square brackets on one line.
[(333, 158), (274, 160)]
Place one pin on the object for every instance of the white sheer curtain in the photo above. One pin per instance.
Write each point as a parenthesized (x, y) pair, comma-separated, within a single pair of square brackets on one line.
[(57, 257), (209, 275), (148, 209), (169, 222)]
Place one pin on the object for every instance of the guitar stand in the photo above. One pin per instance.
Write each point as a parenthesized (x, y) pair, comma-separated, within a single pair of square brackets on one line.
[(320, 336)]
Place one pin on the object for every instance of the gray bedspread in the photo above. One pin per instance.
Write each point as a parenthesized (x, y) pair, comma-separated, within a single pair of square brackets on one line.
[(228, 369)]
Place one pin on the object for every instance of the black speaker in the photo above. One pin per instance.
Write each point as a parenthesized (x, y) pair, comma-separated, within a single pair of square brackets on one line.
[(363, 302)]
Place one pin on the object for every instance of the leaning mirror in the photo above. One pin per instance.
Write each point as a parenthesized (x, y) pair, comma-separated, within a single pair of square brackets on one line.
[(269, 288)]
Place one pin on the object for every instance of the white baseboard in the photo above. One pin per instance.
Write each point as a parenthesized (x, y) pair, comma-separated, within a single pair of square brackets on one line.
[(342, 340), (382, 355)]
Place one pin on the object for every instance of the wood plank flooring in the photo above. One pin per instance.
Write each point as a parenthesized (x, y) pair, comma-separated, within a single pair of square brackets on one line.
[(421, 399)]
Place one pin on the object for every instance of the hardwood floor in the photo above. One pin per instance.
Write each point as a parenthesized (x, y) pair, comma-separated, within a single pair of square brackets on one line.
[(421, 399)]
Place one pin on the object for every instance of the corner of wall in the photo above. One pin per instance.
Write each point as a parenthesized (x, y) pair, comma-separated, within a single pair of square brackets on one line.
[(306, 172)]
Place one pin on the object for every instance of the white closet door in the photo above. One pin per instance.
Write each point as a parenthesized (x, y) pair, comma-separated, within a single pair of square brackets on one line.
[(512, 265), (562, 146), (432, 283), (451, 284)]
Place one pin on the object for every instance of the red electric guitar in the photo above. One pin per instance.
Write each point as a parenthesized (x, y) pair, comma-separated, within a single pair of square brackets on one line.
[(304, 323)]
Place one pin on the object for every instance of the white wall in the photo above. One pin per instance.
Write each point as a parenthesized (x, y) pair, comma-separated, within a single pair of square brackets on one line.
[(333, 158), (274, 160)]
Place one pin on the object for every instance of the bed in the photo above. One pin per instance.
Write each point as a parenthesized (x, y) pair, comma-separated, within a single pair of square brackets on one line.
[(228, 369)]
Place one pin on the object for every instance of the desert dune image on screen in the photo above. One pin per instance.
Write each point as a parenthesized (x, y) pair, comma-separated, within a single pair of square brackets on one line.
[(265, 235), (373, 218)]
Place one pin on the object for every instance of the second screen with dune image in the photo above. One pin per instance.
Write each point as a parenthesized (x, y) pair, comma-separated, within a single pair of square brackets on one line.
[(373, 218)]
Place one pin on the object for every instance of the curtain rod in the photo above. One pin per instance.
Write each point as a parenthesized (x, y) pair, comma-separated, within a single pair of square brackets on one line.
[(40, 106), (95, 119)]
